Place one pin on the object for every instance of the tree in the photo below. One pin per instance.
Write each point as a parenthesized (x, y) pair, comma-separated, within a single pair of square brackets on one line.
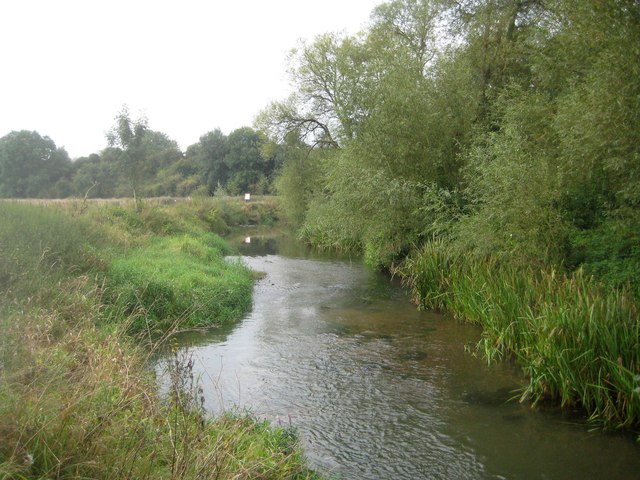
[(128, 135), (159, 152), (375, 98), (142, 153), (30, 165), (514, 135), (244, 160), (553, 174), (500, 37), (330, 79), (209, 153), (407, 27), (98, 175), (181, 178)]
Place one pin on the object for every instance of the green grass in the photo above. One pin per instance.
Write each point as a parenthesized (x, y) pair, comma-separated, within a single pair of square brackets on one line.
[(578, 341), (77, 399), (183, 280)]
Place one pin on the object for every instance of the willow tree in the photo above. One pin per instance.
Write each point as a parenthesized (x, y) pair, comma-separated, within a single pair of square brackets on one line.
[(508, 125), (330, 78), (553, 173)]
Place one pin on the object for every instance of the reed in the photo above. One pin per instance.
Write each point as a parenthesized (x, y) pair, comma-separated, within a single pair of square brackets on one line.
[(578, 341)]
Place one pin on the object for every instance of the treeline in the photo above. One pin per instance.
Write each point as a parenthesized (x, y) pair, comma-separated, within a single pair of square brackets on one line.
[(505, 128), (138, 161)]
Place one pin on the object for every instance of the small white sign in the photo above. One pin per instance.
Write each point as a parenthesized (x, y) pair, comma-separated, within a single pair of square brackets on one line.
[(247, 196), (247, 240)]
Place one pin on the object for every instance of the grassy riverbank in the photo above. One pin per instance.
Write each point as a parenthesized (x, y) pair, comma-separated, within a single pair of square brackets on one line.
[(88, 292), (578, 341)]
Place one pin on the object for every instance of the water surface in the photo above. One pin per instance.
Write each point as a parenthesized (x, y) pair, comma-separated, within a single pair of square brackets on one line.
[(379, 390)]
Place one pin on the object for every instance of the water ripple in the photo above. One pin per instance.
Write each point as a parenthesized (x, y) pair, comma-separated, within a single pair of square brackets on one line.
[(376, 389)]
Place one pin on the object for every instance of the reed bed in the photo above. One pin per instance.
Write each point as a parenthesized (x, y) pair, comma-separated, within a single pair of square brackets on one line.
[(577, 341)]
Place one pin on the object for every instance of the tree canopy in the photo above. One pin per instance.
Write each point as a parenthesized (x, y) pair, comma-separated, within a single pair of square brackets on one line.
[(31, 165), (235, 163), (503, 127)]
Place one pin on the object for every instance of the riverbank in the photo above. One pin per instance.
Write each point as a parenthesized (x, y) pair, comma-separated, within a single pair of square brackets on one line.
[(575, 336), (89, 292), (577, 341)]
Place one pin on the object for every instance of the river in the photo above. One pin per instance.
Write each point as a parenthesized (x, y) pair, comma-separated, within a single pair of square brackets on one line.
[(379, 390)]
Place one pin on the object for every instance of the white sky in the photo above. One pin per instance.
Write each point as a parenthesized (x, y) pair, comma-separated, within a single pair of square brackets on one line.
[(190, 66)]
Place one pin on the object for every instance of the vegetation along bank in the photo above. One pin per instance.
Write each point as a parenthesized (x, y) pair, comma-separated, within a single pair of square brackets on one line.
[(488, 153), (88, 292)]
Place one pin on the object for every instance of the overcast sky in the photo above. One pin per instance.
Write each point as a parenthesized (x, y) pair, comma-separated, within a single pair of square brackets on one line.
[(68, 66)]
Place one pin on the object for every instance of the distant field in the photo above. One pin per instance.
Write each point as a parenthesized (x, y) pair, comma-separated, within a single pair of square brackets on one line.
[(129, 200)]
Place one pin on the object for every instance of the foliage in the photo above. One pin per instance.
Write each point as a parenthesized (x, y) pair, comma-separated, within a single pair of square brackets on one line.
[(141, 154), (611, 252), (97, 176), (30, 165), (364, 210), (297, 178), (245, 162), (328, 76), (514, 186), (520, 111), (180, 179), (209, 153), (128, 135), (136, 161), (236, 162)]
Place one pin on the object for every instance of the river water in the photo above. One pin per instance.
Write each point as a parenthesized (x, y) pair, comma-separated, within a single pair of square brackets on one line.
[(379, 390)]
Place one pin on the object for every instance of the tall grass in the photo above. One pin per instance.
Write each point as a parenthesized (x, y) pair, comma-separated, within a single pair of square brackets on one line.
[(76, 399), (128, 226), (38, 245), (578, 341)]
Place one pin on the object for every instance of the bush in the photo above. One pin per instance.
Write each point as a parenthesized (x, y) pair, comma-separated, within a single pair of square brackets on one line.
[(611, 252)]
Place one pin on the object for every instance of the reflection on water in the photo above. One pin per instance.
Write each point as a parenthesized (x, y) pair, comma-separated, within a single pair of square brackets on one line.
[(379, 390)]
